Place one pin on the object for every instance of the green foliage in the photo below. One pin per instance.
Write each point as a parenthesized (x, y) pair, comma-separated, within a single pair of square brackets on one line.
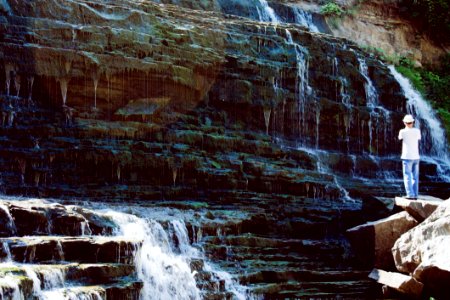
[(431, 15), (331, 9), (434, 85)]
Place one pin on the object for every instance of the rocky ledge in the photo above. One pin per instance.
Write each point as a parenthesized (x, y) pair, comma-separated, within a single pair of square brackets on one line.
[(409, 250)]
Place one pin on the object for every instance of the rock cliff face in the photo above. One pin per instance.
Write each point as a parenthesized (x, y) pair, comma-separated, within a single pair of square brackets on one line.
[(131, 100), (380, 25)]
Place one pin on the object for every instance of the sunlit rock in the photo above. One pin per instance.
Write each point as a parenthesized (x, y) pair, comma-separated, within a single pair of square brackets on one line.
[(421, 208), (373, 241), (421, 251), (406, 285)]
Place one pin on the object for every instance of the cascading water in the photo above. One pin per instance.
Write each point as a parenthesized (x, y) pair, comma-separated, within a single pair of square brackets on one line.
[(9, 288), (380, 118), (303, 90), (165, 274), (371, 91), (304, 18), (163, 263), (10, 225), (162, 258), (433, 143), (266, 13)]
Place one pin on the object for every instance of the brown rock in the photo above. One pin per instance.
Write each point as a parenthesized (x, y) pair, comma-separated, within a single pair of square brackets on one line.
[(373, 241), (420, 209), (423, 241), (404, 284), (434, 269)]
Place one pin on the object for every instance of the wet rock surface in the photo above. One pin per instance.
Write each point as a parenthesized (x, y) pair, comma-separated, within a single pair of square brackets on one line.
[(64, 263), (86, 264), (267, 135)]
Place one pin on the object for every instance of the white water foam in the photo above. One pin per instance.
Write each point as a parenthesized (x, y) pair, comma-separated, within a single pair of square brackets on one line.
[(267, 14), (165, 274)]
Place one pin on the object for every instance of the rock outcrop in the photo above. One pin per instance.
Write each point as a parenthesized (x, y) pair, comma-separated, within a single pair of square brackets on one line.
[(374, 240), (379, 25), (422, 251), (419, 209), (419, 252), (140, 101), (171, 103)]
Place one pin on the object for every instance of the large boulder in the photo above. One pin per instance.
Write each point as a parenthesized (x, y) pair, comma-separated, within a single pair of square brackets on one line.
[(373, 241), (423, 251)]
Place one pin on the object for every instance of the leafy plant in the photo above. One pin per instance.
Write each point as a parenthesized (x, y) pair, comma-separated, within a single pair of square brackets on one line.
[(331, 9)]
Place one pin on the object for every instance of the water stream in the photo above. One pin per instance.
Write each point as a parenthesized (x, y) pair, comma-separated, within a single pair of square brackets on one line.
[(266, 13), (162, 257), (433, 143)]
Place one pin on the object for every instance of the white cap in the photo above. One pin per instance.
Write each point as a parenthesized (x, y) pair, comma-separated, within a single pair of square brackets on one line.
[(408, 119)]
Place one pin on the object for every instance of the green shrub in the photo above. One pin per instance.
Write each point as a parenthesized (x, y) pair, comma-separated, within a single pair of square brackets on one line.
[(331, 9)]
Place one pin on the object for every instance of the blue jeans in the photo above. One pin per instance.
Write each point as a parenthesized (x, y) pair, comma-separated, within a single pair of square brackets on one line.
[(411, 177)]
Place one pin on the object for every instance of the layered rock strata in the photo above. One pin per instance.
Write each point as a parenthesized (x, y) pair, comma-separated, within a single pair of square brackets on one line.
[(49, 250), (135, 100), (120, 92)]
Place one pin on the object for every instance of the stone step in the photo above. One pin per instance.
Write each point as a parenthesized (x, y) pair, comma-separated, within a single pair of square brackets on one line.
[(247, 246), (250, 240), (71, 249), (357, 289), (14, 284), (59, 276), (218, 295), (311, 275), (85, 273), (207, 281), (30, 218), (255, 261), (117, 291)]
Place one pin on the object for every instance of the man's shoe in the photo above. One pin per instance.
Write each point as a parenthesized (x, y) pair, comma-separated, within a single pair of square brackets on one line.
[(410, 198)]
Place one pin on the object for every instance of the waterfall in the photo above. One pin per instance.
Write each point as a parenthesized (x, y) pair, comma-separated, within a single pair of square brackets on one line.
[(302, 85), (377, 113), (9, 288), (267, 112), (266, 13), (163, 259), (95, 78), (433, 141), (7, 251), (165, 274), (305, 19), (371, 91), (11, 225), (324, 169), (181, 233)]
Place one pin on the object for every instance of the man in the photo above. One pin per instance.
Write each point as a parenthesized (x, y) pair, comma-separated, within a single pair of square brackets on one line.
[(410, 137)]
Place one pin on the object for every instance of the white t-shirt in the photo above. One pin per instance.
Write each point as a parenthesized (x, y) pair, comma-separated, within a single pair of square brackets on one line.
[(410, 145)]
